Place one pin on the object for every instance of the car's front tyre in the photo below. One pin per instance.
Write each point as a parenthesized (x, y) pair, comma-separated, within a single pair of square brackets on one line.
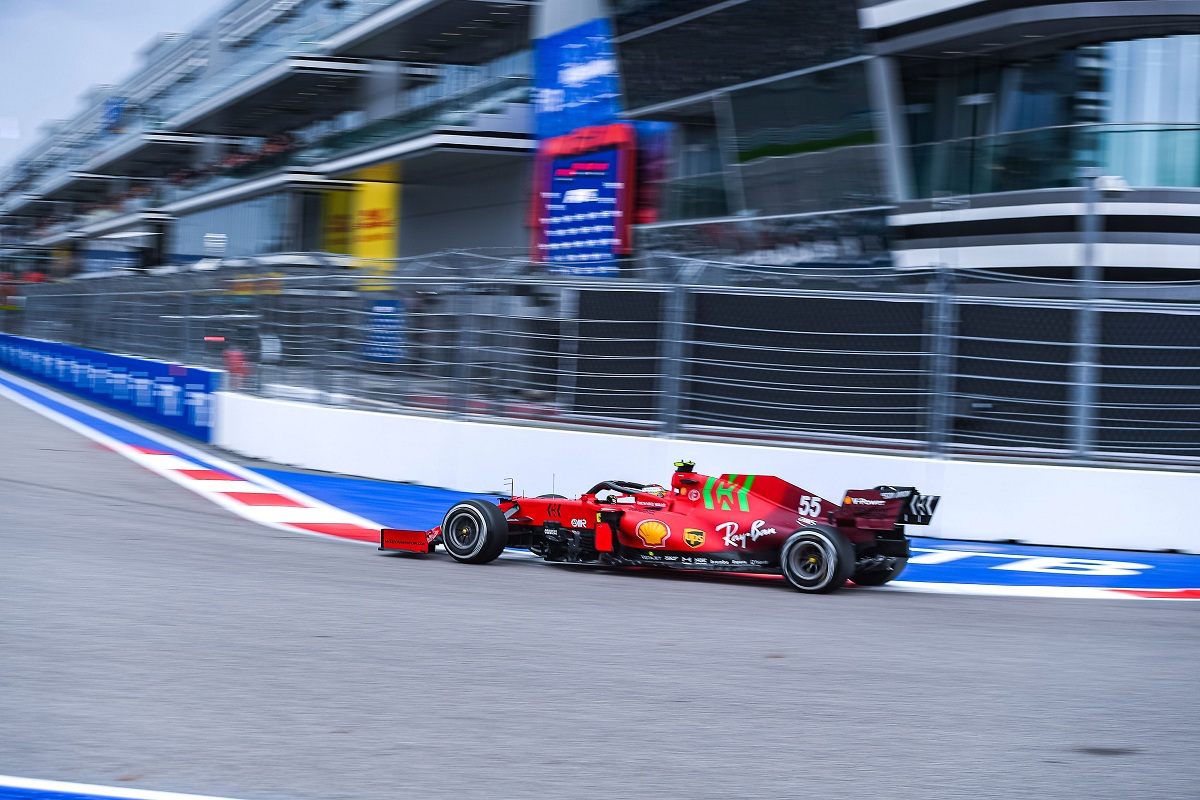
[(817, 559), (474, 532)]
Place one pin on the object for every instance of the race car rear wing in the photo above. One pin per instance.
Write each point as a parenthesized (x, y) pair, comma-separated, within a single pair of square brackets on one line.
[(884, 507)]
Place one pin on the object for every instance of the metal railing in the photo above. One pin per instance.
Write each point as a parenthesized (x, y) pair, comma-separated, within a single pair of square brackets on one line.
[(957, 364)]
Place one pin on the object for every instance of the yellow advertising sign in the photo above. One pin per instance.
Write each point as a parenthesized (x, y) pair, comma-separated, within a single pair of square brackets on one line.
[(335, 223), (365, 221), (383, 173), (374, 231)]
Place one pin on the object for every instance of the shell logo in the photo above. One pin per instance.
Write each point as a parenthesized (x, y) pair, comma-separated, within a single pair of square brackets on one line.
[(653, 532)]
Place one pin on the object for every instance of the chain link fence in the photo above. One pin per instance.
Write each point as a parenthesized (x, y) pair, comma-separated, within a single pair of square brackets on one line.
[(961, 364)]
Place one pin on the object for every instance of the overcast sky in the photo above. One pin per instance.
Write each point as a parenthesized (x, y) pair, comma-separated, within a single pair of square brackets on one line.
[(51, 51)]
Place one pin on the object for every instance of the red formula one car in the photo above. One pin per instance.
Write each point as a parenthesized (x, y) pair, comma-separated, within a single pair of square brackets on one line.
[(734, 523)]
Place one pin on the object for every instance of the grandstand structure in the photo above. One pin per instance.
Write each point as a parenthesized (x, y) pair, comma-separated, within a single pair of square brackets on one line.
[(332, 125), (1057, 138), (963, 228)]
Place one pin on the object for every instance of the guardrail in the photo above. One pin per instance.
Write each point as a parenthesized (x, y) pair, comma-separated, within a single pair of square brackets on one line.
[(959, 365)]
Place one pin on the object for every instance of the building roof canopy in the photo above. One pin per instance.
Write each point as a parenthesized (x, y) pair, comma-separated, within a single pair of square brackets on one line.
[(293, 93), (450, 31)]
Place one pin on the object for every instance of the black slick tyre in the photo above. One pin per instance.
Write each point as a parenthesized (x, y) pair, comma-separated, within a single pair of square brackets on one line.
[(474, 532), (817, 559), (878, 577)]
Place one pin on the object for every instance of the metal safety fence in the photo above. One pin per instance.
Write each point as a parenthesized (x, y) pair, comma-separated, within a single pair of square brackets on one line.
[(957, 364)]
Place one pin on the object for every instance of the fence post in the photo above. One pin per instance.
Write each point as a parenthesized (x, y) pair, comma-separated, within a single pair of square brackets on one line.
[(1087, 327), (186, 313), (942, 326), (465, 353), (568, 349), (676, 306)]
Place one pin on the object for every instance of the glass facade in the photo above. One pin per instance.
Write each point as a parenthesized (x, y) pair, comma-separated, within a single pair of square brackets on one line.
[(728, 46), (838, 237), (808, 143), (248, 48), (696, 182), (1131, 108), (794, 145)]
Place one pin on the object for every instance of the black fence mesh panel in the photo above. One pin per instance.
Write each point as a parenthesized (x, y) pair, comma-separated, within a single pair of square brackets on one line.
[(617, 353), (1149, 394), (1012, 379), (815, 367), (830, 354)]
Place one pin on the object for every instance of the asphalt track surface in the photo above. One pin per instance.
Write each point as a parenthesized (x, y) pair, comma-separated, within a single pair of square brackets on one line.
[(148, 638)]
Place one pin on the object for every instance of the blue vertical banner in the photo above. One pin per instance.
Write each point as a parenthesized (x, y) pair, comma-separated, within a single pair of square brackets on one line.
[(575, 79), (584, 177), (385, 332)]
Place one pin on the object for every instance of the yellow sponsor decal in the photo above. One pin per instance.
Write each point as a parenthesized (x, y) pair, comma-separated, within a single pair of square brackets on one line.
[(653, 532), (693, 537)]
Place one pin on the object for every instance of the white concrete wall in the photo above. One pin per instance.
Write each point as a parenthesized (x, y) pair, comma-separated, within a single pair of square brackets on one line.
[(1110, 508)]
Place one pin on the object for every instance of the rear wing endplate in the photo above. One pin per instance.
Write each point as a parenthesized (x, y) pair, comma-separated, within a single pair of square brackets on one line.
[(885, 507)]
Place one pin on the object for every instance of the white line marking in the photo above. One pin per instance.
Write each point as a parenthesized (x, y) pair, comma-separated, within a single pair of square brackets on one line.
[(245, 487), (290, 514), (158, 462), (331, 514), (35, 784), (993, 590)]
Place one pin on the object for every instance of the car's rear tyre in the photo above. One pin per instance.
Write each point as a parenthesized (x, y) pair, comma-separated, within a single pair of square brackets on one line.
[(817, 559), (878, 577), (474, 532)]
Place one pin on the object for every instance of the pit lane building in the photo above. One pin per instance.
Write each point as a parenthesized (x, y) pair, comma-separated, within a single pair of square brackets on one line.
[(955, 132)]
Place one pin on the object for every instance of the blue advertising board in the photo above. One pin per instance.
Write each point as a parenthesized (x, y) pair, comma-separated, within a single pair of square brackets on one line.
[(583, 213), (575, 79), (97, 259), (171, 395), (385, 332), (583, 199), (112, 120)]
